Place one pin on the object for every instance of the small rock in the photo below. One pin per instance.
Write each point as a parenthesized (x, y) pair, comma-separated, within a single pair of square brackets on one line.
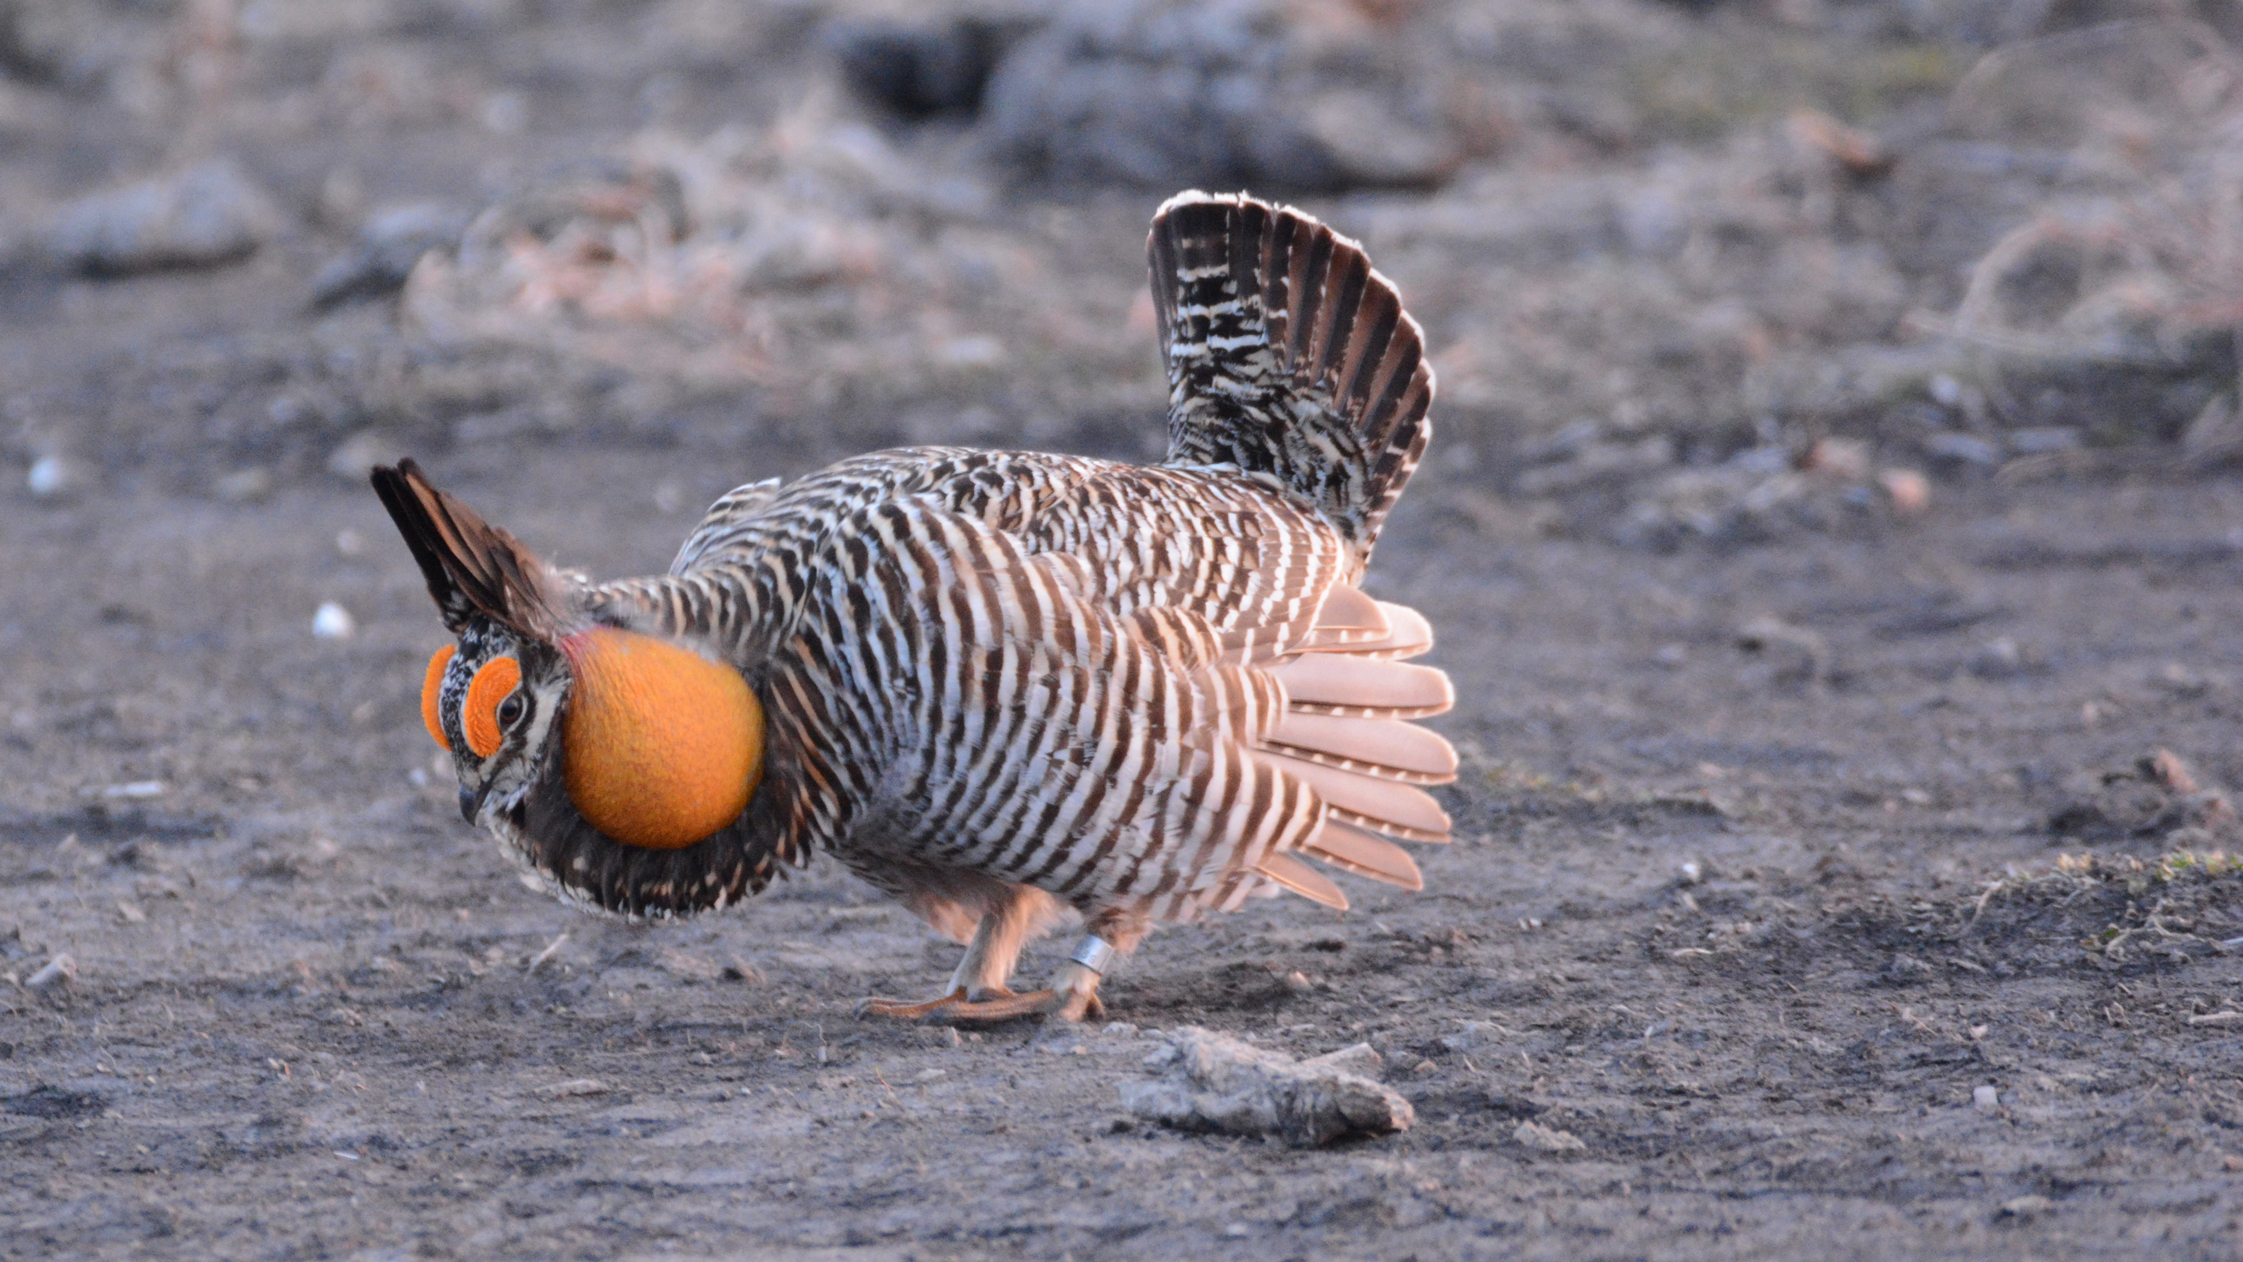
[(920, 71), (52, 477), (1962, 447), (688, 967), (1909, 490), (392, 241), (60, 970), (201, 217), (1211, 1082), (1545, 1139), (2026, 1206), (333, 622), (576, 1087), (1999, 658), (739, 970), (1905, 970), (1985, 1098), (245, 486), (359, 453), (1475, 1036)]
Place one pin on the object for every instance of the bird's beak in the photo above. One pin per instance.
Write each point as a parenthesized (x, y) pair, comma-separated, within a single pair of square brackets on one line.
[(471, 802)]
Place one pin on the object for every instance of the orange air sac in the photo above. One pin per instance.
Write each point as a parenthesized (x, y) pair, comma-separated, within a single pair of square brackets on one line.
[(661, 747), (432, 691)]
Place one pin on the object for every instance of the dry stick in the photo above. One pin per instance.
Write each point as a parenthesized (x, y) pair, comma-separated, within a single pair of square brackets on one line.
[(545, 954)]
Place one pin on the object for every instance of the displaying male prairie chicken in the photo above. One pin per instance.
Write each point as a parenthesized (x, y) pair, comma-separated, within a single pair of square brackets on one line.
[(996, 685)]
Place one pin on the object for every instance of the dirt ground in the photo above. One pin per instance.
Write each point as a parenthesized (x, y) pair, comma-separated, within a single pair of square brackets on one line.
[(1852, 885)]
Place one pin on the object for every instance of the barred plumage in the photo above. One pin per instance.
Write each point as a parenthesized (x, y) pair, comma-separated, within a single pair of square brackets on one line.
[(998, 683)]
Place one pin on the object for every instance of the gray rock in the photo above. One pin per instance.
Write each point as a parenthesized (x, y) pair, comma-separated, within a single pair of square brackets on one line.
[(204, 216), (1211, 1082), (1170, 93), (1545, 1139), (390, 242)]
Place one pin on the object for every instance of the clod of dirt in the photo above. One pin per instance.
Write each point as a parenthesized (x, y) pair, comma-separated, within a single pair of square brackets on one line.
[(54, 1102), (203, 216), (2160, 794), (1211, 1082), (1548, 1139)]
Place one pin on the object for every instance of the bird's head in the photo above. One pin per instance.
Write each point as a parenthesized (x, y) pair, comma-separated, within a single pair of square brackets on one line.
[(658, 747)]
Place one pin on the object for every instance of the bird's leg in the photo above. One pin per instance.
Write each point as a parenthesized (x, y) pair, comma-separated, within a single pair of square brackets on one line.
[(983, 970), (1073, 993)]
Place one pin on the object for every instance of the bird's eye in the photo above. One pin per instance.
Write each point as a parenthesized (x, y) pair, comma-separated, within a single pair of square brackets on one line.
[(510, 710)]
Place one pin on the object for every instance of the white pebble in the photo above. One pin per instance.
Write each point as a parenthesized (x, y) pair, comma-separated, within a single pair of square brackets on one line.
[(50, 475), (333, 622), (60, 969), (1985, 1097), (136, 789)]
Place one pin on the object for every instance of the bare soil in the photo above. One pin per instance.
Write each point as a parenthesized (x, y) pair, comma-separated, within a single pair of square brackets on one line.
[(1756, 890)]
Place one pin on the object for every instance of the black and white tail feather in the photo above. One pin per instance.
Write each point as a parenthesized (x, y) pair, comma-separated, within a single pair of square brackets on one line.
[(1288, 355)]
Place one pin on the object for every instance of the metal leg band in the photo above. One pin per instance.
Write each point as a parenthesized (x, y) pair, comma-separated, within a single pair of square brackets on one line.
[(1095, 954)]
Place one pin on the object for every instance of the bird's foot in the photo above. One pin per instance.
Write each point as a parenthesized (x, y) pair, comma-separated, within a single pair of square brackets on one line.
[(998, 1007), (902, 1010)]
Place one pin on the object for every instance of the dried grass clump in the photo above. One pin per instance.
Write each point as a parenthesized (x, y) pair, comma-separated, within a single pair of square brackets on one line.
[(812, 262), (2133, 263), (2123, 910)]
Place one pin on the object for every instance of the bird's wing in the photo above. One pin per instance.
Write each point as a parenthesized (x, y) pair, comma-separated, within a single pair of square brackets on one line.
[(994, 713)]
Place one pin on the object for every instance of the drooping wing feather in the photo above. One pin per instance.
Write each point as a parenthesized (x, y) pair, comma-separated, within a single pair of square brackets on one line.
[(471, 566)]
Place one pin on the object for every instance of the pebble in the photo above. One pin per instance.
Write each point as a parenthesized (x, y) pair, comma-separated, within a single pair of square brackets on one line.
[(358, 453), (55, 972), (577, 1087), (333, 622), (1546, 1139), (245, 486), (1985, 1098), (390, 243), (52, 476)]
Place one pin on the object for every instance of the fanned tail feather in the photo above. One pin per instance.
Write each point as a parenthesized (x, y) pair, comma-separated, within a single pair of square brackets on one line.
[(1288, 355)]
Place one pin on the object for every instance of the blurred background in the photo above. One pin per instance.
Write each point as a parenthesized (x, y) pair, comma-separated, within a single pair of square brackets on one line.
[(1690, 268)]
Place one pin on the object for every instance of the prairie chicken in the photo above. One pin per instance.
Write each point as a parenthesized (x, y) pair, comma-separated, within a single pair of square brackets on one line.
[(996, 685)]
